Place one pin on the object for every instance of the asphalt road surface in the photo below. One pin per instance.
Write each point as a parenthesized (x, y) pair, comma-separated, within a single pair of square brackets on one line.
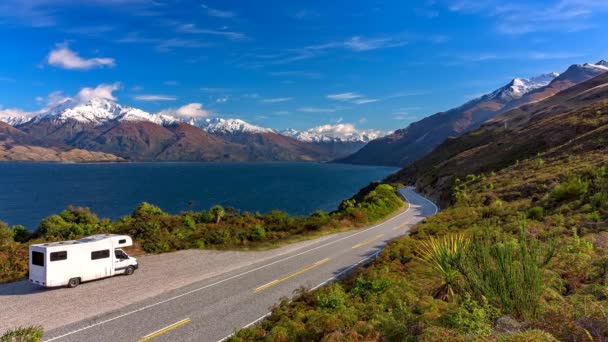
[(211, 309)]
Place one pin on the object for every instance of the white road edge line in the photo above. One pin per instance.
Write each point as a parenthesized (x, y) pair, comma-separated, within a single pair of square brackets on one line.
[(227, 279)]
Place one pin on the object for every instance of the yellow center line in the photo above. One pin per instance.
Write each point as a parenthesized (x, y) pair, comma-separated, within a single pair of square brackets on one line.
[(401, 226), (164, 330), (367, 242), (274, 282)]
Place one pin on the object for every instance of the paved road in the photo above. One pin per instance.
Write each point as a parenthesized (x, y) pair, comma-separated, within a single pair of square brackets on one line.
[(212, 309)]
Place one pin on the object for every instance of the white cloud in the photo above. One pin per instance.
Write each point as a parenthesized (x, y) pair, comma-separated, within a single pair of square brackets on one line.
[(191, 110), (65, 58), (277, 100), (344, 96), (193, 29), (341, 129), (214, 12), (366, 44), (364, 101), (103, 91), (155, 97), (528, 17), (316, 110), (171, 83), (351, 97)]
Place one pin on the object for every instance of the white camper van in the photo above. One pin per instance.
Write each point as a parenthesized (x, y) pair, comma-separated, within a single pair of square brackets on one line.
[(68, 263)]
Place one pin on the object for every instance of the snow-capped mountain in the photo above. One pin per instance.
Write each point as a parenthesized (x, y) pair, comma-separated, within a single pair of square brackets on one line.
[(601, 65), (518, 87), (98, 111), (228, 126), (334, 133), (13, 117)]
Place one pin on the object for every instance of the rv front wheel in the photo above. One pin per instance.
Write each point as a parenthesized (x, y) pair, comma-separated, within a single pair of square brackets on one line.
[(72, 283), (130, 270)]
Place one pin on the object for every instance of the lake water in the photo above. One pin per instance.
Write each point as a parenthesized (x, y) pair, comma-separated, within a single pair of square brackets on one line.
[(32, 191)]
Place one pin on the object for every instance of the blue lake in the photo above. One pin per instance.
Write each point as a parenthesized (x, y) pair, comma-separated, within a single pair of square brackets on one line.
[(32, 191)]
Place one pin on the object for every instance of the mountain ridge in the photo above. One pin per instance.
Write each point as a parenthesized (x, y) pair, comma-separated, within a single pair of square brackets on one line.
[(409, 144)]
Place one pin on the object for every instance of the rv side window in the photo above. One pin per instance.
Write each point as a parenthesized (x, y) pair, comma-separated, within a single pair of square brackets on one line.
[(121, 241), (57, 256), (37, 258), (100, 254)]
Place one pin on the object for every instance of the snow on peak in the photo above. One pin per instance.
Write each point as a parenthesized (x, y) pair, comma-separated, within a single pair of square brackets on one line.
[(518, 87), (601, 65), (334, 133), (14, 117), (228, 126), (521, 86), (98, 111)]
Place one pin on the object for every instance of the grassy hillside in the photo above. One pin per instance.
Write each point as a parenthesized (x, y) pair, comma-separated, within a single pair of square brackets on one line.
[(155, 231), (521, 255)]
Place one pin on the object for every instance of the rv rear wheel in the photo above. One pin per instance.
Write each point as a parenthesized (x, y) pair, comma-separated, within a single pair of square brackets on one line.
[(130, 270), (72, 283)]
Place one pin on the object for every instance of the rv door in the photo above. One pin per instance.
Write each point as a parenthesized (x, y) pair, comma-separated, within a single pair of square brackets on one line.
[(121, 261)]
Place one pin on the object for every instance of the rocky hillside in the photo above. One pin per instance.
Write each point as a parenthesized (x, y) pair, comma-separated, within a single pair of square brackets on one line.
[(16, 145), (420, 138)]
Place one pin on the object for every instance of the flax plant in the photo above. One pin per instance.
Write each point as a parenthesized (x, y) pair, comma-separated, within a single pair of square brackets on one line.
[(443, 255)]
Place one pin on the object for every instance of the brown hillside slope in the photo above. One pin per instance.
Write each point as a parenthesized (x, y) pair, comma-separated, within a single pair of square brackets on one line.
[(572, 119)]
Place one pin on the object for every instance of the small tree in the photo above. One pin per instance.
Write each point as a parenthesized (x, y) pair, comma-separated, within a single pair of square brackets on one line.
[(20, 233), (218, 212)]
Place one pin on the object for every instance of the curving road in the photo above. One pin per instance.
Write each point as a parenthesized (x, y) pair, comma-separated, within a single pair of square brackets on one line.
[(211, 309)]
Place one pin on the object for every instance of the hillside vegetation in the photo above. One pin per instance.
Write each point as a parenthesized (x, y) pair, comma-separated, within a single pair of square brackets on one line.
[(520, 252), (155, 231), (522, 255)]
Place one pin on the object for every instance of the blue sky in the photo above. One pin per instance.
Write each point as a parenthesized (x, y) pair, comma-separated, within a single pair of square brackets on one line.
[(375, 64)]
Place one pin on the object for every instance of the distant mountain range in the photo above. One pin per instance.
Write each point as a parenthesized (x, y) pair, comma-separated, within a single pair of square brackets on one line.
[(407, 145), (129, 133), (126, 133)]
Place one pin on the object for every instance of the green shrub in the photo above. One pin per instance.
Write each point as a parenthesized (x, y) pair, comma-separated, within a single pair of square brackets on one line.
[(365, 287), (573, 189), (25, 334), (528, 336), (508, 273), (258, 233), (599, 200), (536, 213), (594, 217), (20, 233), (6, 236), (71, 223), (469, 317), (332, 297)]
